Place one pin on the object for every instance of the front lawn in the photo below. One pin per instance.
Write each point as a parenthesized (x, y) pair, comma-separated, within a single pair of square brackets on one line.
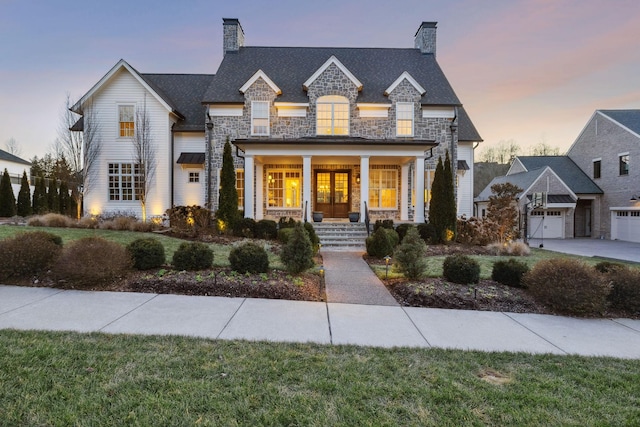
[(49, 378)]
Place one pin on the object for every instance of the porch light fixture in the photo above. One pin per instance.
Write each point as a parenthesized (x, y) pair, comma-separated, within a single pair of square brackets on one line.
[(357, 178)]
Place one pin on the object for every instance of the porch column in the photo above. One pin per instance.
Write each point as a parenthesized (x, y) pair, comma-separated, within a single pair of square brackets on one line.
[(259, 192), (405, 197), (248, 187), (418, 216), (306, 188), (364, 184)]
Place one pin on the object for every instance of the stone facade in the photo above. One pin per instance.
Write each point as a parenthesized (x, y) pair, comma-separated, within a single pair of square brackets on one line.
[(426, 38)]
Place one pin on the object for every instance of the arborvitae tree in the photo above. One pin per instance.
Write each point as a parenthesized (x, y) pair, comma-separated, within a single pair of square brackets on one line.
[(53, 202), (437, 212), (7, 199), (228, 208), (297, 253), (63, 198), (24, 197), (39, 205), (449, 196), (410, 255)]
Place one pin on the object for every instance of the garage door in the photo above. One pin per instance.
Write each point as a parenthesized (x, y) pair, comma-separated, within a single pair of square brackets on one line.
[(625, 225), (546, 224)]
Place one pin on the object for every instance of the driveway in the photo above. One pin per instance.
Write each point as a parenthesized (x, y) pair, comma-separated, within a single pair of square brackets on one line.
[(610, 249)]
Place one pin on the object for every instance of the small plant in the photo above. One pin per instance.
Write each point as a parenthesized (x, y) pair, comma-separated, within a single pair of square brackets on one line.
[(245, 227), (315, 240), (192, 256), (27, 254), (284, 234), (625, 294), (410, 255), (382, 242), (383, 223), (509, 272), (297, 253), (266, 229), (461, 269), (90, 261), (249, 258), (146, 253), (568, 286)]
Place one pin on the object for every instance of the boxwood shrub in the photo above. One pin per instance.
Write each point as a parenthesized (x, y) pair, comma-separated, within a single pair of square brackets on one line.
[(146, 253), (192, 256), (249, 258)]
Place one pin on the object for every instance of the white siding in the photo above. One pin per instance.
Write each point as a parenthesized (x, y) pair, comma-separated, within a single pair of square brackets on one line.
[(124, 88), (15, 170), (465, 183), (186, 193)]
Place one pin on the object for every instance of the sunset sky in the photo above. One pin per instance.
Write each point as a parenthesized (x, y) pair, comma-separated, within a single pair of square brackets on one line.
[(530, 71)]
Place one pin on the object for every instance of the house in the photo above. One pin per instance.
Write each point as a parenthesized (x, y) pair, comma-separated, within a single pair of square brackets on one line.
[(16, 167), (331, 130), (592, 191)]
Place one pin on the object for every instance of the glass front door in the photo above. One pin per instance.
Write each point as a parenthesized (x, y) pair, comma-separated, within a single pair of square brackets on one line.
[(332, 193)]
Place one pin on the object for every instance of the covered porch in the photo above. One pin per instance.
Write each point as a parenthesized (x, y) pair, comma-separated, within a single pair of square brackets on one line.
[(295, 178)]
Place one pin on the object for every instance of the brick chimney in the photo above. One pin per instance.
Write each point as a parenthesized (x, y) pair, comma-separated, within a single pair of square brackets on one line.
[(233, 36), (426, 37)]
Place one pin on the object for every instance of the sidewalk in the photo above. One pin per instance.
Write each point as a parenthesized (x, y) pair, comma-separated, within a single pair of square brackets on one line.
[(325, 323)]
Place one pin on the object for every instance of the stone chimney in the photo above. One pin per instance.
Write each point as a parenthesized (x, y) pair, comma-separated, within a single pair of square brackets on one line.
[(233, 36), (426, 38)]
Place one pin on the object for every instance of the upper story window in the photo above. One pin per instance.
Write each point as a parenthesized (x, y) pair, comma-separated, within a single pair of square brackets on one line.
[(260, 118), (404, 119), (126, 120), (624, 163), (332, 115), (597, 168)]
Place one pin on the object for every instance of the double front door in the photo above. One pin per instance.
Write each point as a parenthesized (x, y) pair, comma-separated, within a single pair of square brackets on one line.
[(332, 193)]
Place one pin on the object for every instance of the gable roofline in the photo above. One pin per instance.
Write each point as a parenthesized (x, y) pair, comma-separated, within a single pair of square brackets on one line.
[(410, 79), (604, 114), (323, 67), (122, 64), (542, 172), (8, 157), (584, 128), (260, 74), (512, 163)]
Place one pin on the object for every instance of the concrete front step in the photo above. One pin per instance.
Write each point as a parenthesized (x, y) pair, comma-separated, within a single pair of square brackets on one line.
[(341, 235)]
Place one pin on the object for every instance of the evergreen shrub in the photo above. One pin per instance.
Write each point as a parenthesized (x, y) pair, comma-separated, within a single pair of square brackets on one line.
[(382, 242), (297, 253), (146, 253), (192, 256), (410, 256), (266, 229), (461, 269), (28, 254), (625, 293), (245, 227), (249, 258), (509, 272)]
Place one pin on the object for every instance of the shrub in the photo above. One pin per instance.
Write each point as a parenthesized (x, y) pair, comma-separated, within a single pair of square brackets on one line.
[(428, 233), (266, 229), (568, 285), (245, 227), (189, 217), (383, 223), (461, 269), (249, 258), (297, 254), (476, 231), (120, 223), (143, 227), (625, 294), (284, 222), (284, 234), (146, 253), (607, 266), (51, 220), (511, 248), (401, 229), (382, 242), (410, 255), (91, 260), (313, 237), (27, 254), (509, 272), (192, 256), (87, 222)]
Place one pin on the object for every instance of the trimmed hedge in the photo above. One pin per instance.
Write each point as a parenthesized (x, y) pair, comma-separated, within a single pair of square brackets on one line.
[(509, 272), (461, 269), (146, 253), (249, 258), (192, 256)]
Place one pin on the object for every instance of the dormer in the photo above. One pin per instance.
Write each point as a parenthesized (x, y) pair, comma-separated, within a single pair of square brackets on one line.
[(405, 76), (335, 61)]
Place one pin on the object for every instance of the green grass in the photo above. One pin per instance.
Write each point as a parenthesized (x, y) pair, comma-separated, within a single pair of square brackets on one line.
[(220, 252), (434, 263), (49, 378)]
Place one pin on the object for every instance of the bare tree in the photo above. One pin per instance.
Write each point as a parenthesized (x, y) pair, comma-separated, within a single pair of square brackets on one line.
[(144, 154), (544, 149), (502, 153), (79, 144), (13, 147)]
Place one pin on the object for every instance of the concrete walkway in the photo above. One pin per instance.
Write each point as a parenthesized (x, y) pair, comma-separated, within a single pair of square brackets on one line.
[(610, 249), (28, 308), (349, 279)]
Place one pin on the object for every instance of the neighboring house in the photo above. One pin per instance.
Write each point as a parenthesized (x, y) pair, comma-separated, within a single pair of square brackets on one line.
[(314, 129), (15, 166), (598, 170)]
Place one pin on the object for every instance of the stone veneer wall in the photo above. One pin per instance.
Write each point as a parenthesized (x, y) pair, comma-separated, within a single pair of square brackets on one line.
[(333, 82)]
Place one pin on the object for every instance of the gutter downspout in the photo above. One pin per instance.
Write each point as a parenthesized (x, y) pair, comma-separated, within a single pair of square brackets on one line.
[(209, 165), (171, 175)]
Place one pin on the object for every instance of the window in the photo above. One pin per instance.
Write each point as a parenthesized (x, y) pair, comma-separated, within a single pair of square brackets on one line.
[(404, 119), (624, 164), (597, 164), (332, 115), (383, 188), (125, 117), (124, 181), (194, 176), (283, 189), (260, 118), (240, 187)]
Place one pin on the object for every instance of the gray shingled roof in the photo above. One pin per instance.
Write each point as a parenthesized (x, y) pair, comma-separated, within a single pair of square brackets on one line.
[(184, 93), (376, 68), (627, 118), (566, 169), (6, 156)]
